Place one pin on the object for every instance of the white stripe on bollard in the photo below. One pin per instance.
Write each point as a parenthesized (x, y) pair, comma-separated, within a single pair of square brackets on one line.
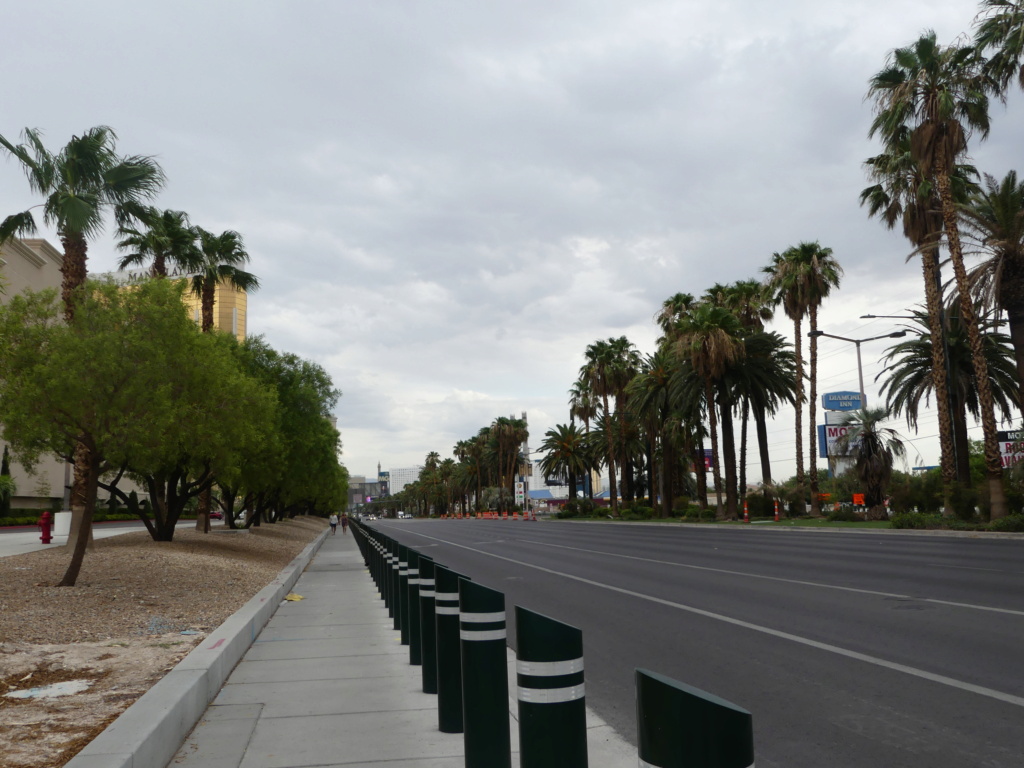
[(446, 610), (549, 668), (425, 592), (485, 634), (551, 695)]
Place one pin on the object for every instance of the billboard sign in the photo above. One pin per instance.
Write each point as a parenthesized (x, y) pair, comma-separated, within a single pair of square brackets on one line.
[(1011, 446), (828, 441), (842, 401), (708, 461)]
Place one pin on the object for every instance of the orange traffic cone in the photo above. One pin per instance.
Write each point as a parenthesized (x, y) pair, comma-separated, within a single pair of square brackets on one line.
[(746, 512), (776, 510)]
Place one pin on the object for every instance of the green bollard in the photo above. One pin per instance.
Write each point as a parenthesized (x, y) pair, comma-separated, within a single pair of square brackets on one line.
[(403, 592), (428, 638), (393, 585), (552, 707), (679, 726), (449, 658), (413, 609), (486, 737)]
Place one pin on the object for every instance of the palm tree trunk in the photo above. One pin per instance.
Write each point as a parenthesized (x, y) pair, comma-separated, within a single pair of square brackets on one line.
[(728, 453), (993, 463), (798, 352), (613, 489), (761, 425), (207, 301), (744, 418), (1015, 320), (709, 394), (940, 373), (963, 443), (812, 413), (701, 473)]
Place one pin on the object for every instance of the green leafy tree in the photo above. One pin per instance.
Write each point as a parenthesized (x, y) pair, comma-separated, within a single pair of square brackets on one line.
[(80, 185), (1000, 29), (566, 454)]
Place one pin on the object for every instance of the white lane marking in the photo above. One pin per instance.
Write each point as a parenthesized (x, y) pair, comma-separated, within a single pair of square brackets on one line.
[(1006, 698), (972, 606)]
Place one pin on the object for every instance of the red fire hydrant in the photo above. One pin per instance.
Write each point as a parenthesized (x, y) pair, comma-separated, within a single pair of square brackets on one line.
[(46, 523)]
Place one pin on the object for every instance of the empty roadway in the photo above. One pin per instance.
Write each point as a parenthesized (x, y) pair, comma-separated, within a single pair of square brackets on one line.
[(851, 649)]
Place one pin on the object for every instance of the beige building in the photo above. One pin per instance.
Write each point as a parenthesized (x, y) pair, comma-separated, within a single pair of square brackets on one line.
[(33, 265)]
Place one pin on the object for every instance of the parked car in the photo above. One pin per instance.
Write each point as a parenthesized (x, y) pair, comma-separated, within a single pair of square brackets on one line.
[(216, 514)]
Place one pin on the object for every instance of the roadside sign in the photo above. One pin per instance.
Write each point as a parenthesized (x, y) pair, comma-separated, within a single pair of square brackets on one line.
[(841, 401)]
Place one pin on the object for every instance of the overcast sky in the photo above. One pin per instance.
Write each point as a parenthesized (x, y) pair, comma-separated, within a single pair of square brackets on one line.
[(447, 201)]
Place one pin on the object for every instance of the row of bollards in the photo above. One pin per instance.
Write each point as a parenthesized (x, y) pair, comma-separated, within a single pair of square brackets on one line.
[(456, 632)]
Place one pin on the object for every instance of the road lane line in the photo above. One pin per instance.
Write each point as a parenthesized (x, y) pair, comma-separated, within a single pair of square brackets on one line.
[(745, 574), (1006, 698)]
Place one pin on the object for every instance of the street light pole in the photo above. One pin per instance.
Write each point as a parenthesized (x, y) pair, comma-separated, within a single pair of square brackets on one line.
[(860, 367)]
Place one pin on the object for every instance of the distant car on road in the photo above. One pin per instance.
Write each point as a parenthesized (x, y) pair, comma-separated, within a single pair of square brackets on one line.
[(216, 514)]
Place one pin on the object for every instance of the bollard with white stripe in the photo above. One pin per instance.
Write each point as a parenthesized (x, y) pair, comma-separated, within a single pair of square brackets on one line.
[(482, 631), (449, 660), (412, 604), (393, 584), (428, 640), (679, 726), (552, 707), (403, 593)]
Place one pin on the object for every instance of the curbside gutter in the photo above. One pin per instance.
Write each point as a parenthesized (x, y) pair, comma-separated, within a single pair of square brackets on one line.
[(150, 731)]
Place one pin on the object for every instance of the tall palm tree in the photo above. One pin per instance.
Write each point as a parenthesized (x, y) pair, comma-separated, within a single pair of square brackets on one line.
[(710, 338), (166, 238), (651, 399), (608, 368), (801, 278), (875, 449), (1000, 26), (902, 194), (221, 259), (994, 219), (583, 406), (80, 184), (939, 93)]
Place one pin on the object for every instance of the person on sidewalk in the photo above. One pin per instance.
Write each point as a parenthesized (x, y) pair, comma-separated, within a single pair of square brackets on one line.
[(344, 523), (334, 523)]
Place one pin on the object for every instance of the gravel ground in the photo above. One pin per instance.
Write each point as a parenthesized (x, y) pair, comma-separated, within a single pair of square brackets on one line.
[(120, 627)]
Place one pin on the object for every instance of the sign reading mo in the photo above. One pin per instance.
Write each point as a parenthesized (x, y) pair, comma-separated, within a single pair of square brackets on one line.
[(828, 440)]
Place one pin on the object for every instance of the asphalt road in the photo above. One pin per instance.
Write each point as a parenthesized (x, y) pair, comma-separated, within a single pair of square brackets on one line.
[(849, 649)]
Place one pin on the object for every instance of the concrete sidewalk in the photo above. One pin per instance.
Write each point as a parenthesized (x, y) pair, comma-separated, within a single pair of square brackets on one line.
[(327, 683)]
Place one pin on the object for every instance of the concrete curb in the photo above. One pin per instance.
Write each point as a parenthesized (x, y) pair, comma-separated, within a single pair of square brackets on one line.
[(150, 731)]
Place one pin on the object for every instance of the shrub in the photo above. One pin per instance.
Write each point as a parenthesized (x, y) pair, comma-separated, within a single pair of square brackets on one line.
[(909, 520), (844, 515), (1010, 524), (759, 506)]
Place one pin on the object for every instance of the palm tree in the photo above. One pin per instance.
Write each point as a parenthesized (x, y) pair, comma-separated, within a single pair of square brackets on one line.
[(875, 448), (651, 399), (710, 338), (994, 219), (567, 455), (908, 383), (166, 237), (80, 185), (801, 278), (1001, 26), (939, 94), (583, 406), (220, 262), (901, 194), (608, 368)]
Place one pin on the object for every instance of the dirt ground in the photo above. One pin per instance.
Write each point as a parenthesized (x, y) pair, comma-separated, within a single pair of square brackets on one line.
[(138, 608)]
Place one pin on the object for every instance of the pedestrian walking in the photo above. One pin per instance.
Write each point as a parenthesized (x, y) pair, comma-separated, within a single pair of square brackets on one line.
[(344, 523), (334, 523)]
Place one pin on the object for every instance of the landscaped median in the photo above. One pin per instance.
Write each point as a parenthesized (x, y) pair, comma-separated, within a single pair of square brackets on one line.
[(181, 613)]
